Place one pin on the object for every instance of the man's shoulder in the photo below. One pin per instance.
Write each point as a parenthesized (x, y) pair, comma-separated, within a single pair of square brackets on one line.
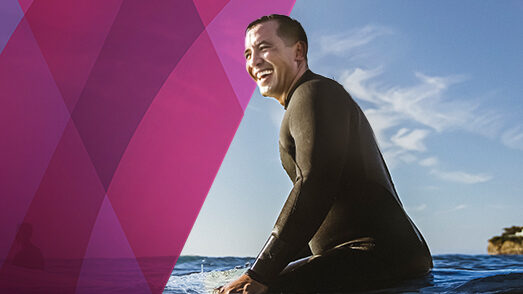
[(319, 89), (319, 83)]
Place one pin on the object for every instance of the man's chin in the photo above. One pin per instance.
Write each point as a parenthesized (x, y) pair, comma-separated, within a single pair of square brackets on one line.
[(266, 91)]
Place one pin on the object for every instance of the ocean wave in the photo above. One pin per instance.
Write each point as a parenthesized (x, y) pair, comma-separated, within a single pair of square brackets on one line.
[(504, 283), (452, 273)]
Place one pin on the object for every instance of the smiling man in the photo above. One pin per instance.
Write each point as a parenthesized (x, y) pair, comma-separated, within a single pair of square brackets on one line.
[(343, 227)]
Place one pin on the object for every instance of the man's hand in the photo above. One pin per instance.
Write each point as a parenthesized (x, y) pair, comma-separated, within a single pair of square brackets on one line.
[(243, 285)]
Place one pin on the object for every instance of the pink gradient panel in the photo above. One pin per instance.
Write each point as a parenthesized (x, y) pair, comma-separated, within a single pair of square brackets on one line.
[(25, 4), (109, 262), (62, 214), (33, 117), (209, 8), (10, 16), (116, 118), (144, 45), (224, 31), (174, 156), (72, 39)]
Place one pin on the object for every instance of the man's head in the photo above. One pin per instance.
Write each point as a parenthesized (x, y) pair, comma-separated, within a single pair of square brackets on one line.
[(275, 54)]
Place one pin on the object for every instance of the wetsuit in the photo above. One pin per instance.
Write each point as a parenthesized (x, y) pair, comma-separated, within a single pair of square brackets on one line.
[(343, 208)]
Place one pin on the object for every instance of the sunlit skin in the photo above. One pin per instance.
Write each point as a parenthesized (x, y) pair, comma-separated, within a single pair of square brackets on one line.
[(275, 66), (273, 63)]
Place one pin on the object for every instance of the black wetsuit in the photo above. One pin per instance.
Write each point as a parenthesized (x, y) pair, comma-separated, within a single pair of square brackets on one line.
[(343, 208)]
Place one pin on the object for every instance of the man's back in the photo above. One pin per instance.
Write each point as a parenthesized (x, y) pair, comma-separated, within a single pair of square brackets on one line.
[(343, 191)]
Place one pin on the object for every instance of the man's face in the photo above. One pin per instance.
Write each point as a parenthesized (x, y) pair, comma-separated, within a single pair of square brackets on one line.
[(270, 62)]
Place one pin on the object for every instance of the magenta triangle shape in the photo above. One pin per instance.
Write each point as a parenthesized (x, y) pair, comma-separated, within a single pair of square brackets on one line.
[(70, 35), (25, 4), (208, 9), (34, 118), (10, 16), (144, 45), (110, 265)]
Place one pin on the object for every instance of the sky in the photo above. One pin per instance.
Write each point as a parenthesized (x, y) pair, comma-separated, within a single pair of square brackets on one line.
[(441, 84)]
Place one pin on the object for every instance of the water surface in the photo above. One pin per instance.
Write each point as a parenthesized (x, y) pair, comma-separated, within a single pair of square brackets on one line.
[(452, 273)]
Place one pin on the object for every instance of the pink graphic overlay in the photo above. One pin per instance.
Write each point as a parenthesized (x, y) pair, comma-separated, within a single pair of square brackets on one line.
[(62, 214), (10, 16), (25, 4), (158, 165), (71, 39), (144, 46), (116, 116), (109, 260), (208, 9), (33, 118)]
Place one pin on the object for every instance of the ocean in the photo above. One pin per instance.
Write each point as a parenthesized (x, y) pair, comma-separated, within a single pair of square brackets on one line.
[(452, 273)]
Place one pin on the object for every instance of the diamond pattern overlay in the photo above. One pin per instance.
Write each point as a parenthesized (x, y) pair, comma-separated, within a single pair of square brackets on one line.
[(115, 117)]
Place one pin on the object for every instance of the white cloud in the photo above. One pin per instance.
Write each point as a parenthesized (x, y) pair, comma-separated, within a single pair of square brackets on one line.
[(513, 137), (461, 177), (410, 140), (429, 161), (380, 124), (425, 104), (418, 208), (404, 116), (422, 103), (394, 156), (452, 176), (453, 209), (460, 207), (344, 43)]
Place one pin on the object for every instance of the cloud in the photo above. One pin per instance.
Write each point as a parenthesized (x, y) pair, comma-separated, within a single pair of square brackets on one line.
[(410, 140), (461, 177), (381, 123), (460, 207), (343, 44), (429, 161), (394, 156), (418, 208), (513, 138), (403, 117), (453, 176), (453, 209), (426, 105), (423, 103)]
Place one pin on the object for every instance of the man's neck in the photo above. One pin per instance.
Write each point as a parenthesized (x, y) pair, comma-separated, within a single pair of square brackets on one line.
[(300, 73)]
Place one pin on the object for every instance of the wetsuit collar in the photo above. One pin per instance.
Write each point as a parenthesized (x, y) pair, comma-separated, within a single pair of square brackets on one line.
[(307, 75)]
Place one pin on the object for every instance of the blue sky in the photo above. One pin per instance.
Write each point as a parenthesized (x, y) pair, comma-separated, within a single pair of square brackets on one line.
[(441, 85)]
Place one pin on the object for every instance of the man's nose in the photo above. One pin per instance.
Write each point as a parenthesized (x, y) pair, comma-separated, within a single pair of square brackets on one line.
[(255, 60)]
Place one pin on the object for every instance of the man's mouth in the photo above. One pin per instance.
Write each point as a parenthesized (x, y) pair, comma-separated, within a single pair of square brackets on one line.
[(263, 74)]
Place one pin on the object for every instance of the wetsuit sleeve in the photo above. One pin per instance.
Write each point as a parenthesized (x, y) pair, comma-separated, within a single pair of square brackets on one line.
[(319, 126)]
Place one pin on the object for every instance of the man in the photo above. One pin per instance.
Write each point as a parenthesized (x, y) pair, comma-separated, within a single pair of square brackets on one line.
[(343, 214)]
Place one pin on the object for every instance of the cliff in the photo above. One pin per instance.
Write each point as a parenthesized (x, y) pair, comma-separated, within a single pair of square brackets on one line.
[(510, 242)]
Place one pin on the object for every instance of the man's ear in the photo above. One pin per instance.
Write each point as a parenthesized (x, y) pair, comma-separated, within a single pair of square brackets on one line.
[(300, 49)]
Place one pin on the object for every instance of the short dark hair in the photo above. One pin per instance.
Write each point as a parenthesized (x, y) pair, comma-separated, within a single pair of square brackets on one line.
[(289, 29)]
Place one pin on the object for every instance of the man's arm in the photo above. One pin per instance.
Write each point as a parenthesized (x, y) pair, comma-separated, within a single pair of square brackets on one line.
[(319, 125)]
